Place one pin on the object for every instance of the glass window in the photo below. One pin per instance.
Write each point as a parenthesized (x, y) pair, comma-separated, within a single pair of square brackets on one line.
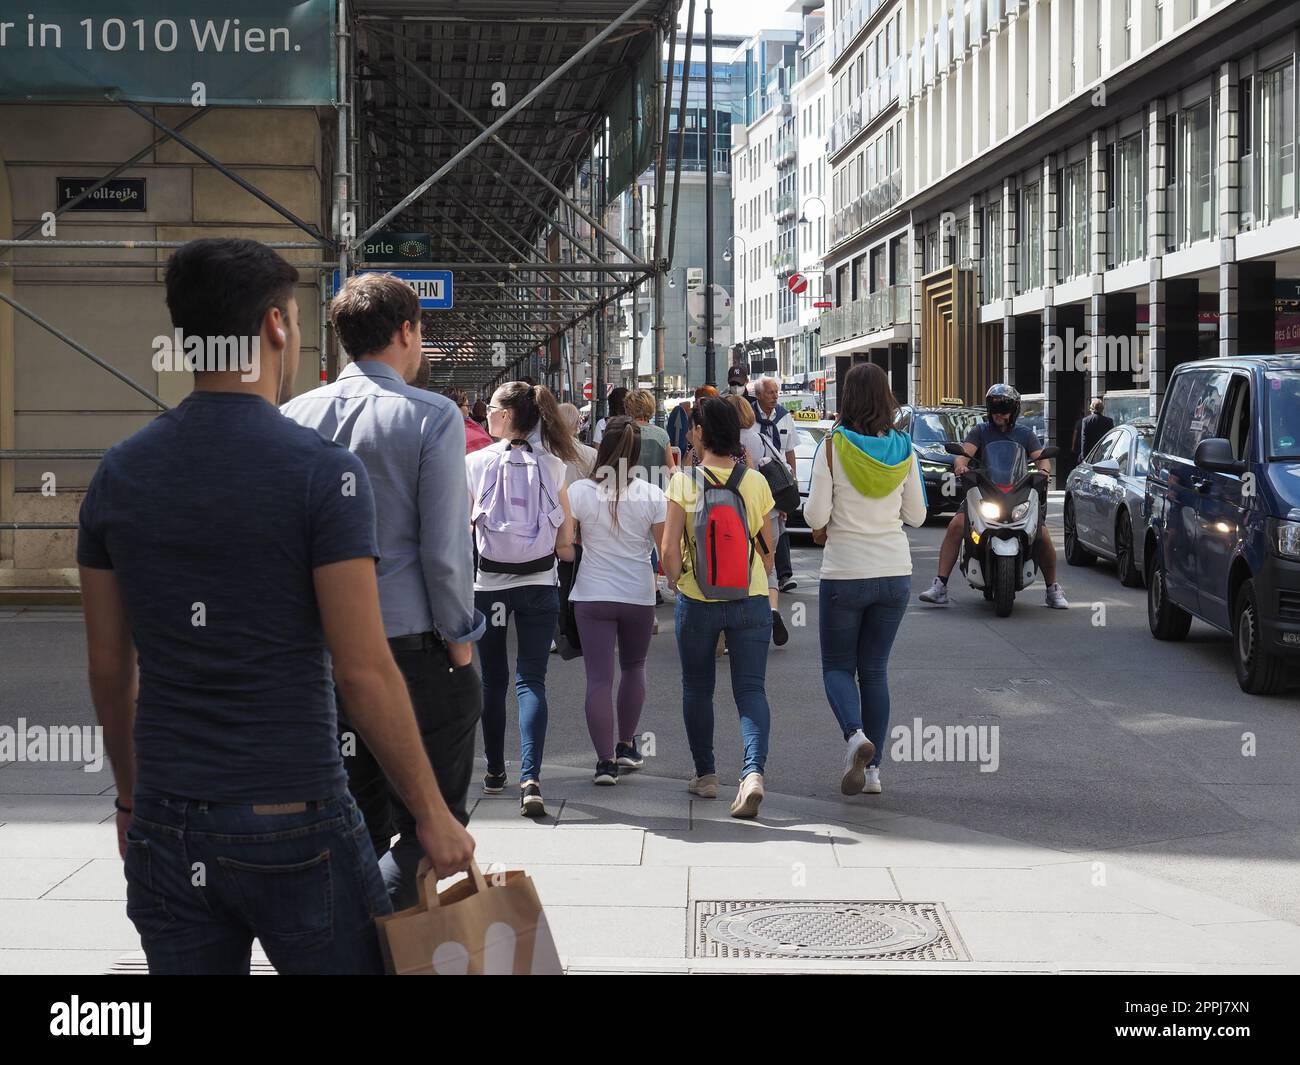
[(1196, 174), (1102, 447), (1142, 457), (1073, 242), (1031, 246), (1199, 418), (992, 248), (1282, 392), (1130, 216), (1278, 137)]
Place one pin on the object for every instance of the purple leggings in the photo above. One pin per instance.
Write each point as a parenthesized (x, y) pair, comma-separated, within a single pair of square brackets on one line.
[(599, 625)]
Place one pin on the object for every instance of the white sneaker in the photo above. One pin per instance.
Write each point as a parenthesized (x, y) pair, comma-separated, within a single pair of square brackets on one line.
[(871, 785), (1056, 598), (706, 787), (860, 751), (938, 594), (748, 796)]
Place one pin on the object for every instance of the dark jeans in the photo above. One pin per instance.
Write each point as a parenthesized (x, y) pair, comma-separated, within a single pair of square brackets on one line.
[(748, 625), (859, 620), (781, 563), (448, 703), (535, 608), (204, 879)]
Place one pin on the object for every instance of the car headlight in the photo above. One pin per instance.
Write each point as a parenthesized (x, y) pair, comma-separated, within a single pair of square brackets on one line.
[(1020, 511), (1287, 538), (933, 467), (990, 510)]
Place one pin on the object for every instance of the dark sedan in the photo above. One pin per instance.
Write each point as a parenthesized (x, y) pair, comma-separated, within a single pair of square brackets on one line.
[(929, 428), (1103, 501)]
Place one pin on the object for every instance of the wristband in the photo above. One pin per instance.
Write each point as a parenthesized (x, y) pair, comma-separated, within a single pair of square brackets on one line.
[(117, 805)]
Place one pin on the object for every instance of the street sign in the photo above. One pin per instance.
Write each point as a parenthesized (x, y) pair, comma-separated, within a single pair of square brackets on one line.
[(721, 305), (434, 287), (798, 284), (587, 390)]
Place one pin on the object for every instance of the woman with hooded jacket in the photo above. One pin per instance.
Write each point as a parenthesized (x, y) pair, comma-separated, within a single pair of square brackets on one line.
[(866, 484)]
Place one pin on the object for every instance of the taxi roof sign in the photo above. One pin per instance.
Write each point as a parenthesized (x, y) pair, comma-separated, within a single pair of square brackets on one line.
[(807, 416), (951, 401)]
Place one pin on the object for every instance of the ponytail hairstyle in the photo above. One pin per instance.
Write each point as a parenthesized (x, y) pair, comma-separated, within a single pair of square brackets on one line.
[(619, 451), (531, 405)]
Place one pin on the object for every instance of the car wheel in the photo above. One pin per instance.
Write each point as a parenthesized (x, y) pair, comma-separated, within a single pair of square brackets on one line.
[(1125, 557), (1075, 553), (1259, 671), (1167, 620)]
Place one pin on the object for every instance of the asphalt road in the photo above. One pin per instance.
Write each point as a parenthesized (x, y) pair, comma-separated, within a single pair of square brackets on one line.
[(1109, 743)]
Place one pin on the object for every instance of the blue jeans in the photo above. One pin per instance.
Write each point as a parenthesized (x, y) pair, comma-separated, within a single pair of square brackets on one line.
[(203, 879), (859, 620), (748, 625), (536, 609)]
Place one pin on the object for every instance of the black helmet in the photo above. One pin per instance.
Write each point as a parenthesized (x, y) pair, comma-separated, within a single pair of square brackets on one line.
[(1002, 399)]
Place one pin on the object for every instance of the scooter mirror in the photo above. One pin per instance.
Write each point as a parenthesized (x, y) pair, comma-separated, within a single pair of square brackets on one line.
[(953, 448), (1049, 452)]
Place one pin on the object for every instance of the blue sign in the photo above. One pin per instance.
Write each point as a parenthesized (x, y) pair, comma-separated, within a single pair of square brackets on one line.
[(434, 287)]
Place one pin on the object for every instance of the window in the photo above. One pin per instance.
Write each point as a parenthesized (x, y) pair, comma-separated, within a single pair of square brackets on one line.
[(1237, 425), (1128, 235), (1102, 448), (1073, 233), (1197, 418), (1031, 244), (992, 250), (1195, 176), (1278, 141)]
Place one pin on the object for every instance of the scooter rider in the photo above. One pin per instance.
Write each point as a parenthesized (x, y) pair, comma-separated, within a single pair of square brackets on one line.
[(1002, 408)]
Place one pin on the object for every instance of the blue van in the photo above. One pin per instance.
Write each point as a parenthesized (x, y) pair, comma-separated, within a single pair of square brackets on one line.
[(1222, 511)]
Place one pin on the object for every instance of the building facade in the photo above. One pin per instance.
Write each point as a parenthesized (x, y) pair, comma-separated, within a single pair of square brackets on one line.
[(1088, 195)]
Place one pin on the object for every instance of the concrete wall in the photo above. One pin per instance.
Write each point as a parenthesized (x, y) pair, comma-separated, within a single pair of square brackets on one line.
[(50, 395)]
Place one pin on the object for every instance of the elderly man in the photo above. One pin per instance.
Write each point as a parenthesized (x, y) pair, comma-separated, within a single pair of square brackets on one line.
[(777, 427)]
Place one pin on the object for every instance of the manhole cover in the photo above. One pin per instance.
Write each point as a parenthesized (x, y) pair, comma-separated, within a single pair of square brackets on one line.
[(801, 929)]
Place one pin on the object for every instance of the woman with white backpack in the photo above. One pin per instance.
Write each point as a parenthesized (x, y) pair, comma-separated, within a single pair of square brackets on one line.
[(519, 508)]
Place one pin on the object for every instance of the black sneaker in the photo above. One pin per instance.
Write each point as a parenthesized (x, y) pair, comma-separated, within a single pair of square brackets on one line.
[(530, 800), (494, 783), (789, 584), (606, 773), (628, 757), (780, 634)]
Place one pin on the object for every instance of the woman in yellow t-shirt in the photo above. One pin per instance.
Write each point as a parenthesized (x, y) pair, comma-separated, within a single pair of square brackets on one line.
[(747, 621)]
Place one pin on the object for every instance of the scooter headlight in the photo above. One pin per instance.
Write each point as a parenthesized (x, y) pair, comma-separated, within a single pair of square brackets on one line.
[(1020, 511), (990, 510)]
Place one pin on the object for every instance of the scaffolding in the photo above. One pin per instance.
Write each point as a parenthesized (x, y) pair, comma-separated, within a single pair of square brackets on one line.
[(488, 128)]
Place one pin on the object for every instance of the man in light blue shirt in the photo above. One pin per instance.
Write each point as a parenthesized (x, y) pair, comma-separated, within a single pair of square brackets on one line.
[(412, 443)]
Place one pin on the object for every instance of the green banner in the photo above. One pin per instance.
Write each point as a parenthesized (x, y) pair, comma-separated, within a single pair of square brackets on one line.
[(196, 52), (633, 124)]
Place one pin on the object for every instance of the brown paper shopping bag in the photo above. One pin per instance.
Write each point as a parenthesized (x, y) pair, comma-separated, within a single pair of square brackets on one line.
[(480, 926)]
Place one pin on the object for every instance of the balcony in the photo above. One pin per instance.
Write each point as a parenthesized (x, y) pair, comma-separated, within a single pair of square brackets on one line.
[(783, 263), (812, 57), (786, 151), (876, 312), (875, 202), (870, 103), (785, 207), (847, 29)]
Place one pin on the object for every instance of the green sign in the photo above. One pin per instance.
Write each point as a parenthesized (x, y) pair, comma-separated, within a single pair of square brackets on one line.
[(633, 122), (389, 247), (196, 52)]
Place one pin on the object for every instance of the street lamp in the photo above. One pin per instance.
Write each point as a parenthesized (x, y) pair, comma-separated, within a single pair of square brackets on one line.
[(744, 304)]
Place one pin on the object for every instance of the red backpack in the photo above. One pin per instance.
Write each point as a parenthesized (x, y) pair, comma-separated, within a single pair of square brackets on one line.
[(722, 551)]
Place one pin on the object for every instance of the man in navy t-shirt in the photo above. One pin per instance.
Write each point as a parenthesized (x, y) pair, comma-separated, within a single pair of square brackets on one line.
[(1002, 404), (230, 553)]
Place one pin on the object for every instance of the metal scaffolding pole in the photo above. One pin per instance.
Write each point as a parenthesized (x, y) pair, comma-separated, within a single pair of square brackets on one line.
[(710, 368), (681, 132), (510, 113), (666, 96)]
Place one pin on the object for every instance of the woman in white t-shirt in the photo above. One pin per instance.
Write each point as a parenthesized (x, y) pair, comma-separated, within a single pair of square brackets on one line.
[(620, 519), (520, 416)]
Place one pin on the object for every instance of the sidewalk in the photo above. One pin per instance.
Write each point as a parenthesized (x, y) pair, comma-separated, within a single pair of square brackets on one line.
[(643, 878)]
